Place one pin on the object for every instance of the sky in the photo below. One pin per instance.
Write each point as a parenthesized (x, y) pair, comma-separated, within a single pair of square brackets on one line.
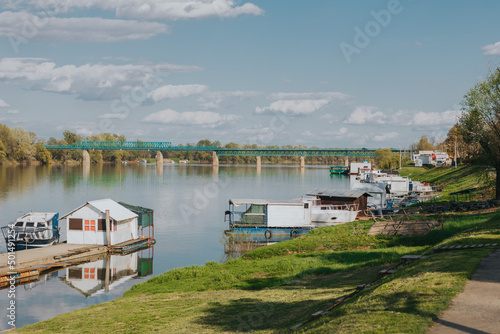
[(324, 73)]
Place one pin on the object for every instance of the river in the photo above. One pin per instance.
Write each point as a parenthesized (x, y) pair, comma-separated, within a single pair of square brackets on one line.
[(189, 202)]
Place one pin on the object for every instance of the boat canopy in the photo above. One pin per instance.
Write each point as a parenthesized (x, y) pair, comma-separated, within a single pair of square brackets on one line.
[(238, 202), (338, 193)]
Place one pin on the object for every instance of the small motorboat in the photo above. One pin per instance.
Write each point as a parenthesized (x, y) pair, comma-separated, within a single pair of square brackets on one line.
[(33, 230)]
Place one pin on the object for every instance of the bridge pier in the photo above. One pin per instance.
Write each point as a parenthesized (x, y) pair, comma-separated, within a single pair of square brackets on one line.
[(215, 159), (346, 161), (86, 158), (159, 160), (259, 161), (302, 161)]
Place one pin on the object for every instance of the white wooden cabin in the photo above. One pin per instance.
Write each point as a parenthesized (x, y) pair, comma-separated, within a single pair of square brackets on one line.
[(87, 223)]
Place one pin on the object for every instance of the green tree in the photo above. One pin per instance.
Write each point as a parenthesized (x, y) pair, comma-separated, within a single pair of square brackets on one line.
[(42, 154), (480, 120), (385, 159), (424, 144)]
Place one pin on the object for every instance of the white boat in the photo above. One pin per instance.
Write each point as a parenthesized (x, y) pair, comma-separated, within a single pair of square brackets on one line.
[(33, 230)]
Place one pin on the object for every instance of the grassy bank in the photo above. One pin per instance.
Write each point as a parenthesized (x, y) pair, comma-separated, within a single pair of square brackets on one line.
[(274, 288)]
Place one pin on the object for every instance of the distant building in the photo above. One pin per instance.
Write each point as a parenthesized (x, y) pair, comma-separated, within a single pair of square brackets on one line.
[(430, 158), (357, 168)]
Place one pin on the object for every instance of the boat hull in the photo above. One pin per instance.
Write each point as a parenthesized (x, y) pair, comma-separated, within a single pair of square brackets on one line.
[(333, 217), (265, 233), (22, 245)]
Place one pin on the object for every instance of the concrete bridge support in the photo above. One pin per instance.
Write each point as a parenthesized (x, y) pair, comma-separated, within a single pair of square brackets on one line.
[(215, 159), (159, 160), (346, 161), (302, 162), (86, 158), (259, 162)]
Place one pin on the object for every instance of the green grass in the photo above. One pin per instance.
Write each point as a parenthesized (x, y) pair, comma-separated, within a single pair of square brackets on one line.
[(451, 179), (273, 288)]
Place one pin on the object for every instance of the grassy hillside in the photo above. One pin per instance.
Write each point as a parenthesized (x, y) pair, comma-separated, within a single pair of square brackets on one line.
[(451, 179)]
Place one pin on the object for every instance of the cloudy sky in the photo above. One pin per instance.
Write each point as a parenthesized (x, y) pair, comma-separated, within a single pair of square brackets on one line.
[(320, 73)]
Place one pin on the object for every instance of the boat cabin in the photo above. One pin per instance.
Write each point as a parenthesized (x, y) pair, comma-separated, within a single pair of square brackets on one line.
[(33, 230), (87, 223), (349, 199)]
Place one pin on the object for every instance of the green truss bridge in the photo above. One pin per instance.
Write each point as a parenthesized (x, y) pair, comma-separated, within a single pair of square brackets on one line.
[(217, 151)]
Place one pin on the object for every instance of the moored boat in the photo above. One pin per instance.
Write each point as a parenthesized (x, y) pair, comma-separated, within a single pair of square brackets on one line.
[(32, 230)]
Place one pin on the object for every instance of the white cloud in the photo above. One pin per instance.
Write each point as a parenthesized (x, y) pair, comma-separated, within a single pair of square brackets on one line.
[(176, 91), (13, 111), (294, 107), (201, 118), (89, 81), (75, 29), (3, 104), (162, 10), (366, 114), (385, 136), (435, 120), (492, 49), (115, 116), (309, 95)]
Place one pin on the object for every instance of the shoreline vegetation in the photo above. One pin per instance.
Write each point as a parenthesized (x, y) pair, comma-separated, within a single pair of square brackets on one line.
[(272, 289)]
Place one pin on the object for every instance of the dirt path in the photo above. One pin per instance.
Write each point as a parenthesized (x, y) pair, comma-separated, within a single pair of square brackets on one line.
[(477, 309)]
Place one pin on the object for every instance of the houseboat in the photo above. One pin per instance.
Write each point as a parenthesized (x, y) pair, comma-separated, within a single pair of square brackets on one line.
[(33, 230), (339, 170), (279, 219)]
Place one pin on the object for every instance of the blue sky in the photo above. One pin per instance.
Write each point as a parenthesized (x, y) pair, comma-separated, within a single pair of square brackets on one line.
[(320, 73)]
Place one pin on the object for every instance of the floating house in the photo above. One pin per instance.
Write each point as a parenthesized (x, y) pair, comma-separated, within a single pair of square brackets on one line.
[(292, 217), (378, 192), (88, 223)]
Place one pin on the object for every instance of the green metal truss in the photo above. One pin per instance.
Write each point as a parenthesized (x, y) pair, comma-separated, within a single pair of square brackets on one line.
[(263, 152)]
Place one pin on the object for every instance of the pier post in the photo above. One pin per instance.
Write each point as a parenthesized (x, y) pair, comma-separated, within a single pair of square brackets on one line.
[(86, 158), (302, 162), (259, 162), (159, 160), (108, 229), (215, 159), (107, 273)]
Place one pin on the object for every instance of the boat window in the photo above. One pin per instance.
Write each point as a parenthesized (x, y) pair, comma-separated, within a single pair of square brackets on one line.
[(32, 224), (41, 225), (306, 205), (254, 208), (324, 208), (19, 224)]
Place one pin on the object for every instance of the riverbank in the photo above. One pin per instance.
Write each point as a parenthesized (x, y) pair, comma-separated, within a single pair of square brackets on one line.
[(271, 289), (274, 288)]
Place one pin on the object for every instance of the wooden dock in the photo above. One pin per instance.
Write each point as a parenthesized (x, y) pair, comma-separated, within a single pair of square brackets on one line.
[(31, 263)]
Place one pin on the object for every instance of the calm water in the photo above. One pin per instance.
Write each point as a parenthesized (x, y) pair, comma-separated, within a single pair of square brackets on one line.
[(188, 202)]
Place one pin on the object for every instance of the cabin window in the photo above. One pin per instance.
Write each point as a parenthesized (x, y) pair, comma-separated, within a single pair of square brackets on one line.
[(75, 224), (115, 226), (19, 223), (89, 273), (75, 273), (101, 224), (30, 224), (89, 225), (306, 205)]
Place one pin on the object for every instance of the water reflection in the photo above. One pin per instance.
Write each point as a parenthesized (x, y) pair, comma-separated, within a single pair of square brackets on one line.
[(108, 272)]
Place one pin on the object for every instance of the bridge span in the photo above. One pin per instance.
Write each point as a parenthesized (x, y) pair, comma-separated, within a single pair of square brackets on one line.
[(159, 147)]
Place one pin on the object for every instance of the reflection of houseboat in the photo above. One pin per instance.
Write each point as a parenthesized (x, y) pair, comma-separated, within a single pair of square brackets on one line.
[(276, 219), (33, 230), (109, 272)]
